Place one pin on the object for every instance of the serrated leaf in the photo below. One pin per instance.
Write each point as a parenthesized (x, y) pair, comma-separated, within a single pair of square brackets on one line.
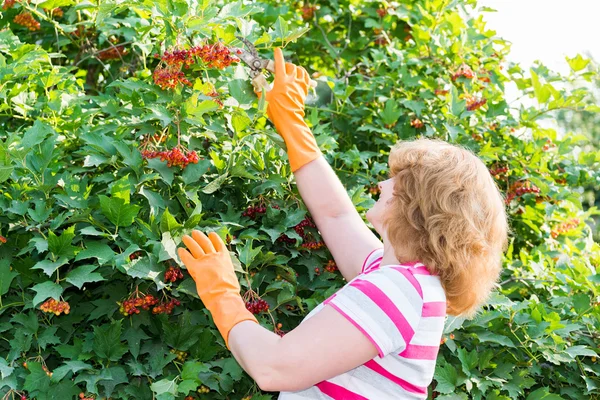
[(134, 337), (5, 370), (215, 185), (84, 274), (168, 222), (48, 336), (119, 213), (164, 386), (446, 378), (37, 381), (61, 246), (73, 366), (107, 341), (99, 250), (577, 63), (49, 267), (45, 290), (6, 276)]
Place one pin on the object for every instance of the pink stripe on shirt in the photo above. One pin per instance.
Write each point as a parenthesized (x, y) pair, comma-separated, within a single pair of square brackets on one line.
[(387, 306), (337, 392), (360, 328), (418, 352), (367, 259), (409, 387), (434, 309), (411, 278), (420, 271)]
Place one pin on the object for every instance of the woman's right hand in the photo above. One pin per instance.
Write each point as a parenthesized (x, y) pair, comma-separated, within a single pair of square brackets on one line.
[(290, 88), (286, 110)]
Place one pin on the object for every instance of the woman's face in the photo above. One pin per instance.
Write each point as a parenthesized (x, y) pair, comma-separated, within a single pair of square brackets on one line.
[(376, 213)]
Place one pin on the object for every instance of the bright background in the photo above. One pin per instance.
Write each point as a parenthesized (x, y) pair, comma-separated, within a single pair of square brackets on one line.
[(546, 30)]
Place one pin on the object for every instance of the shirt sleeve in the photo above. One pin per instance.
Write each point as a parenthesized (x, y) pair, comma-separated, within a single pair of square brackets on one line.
[(373, 259), (385, 304)]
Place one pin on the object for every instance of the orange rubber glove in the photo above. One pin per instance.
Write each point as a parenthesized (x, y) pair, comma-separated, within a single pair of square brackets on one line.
[(286, 111), (210, 266)]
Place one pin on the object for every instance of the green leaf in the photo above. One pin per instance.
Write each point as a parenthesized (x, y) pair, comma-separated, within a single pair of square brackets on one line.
[(542, 93), (182, 335), (247, 254), (48, 336), (6, 276), (577, 63), (61, 246), (37, 381), (50, 267), (5, 370), (241, 90), (143, 267), (45, 290), (391, 112), (168, 222), (69, 366), (84, 274), (164, 386), (98, 250), (446, 378), (107, 341), (119, 213), (35, 135), (581, 351), (191, 369), (134, 337), (543, 393), (457, 106), (215, 185)]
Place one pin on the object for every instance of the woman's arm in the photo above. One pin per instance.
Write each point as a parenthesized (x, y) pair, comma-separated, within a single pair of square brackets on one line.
[(345, 233), (322, 347)]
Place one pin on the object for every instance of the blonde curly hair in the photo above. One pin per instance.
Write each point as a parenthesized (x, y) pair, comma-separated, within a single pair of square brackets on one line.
[(450, 215)]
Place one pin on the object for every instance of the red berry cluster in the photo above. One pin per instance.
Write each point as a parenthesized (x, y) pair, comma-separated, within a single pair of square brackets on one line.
[(169, 77), (463, 70), (57, 12), (313, 245), (214, 55), (549, 145), (8, 4), (174, 157), (382, 12), (26, 19), (417, 123), (113, 53), (3, 239), (441, 92), (484, 76), (135, 255), (308, 12), (521, 188), (474, 103), (251, 211), (82, 396), (381, 40), (331, 266), (56, 307), (279, 331), (173, 274), (498, 169), (257, 306), (130, 306), (216, 99), (300, 230), (564, 227), (374, 190), (166, 307)]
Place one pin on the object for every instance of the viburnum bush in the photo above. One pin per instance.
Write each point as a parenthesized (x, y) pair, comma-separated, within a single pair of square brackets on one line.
[(124, 125)]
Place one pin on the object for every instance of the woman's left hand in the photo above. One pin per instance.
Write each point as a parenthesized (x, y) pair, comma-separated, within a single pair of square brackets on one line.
[(209, 263)]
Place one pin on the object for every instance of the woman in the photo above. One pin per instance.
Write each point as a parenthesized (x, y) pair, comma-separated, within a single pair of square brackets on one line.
[(443, 230)]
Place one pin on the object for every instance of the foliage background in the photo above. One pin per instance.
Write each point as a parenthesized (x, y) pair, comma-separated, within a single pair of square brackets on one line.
[(78, 200)]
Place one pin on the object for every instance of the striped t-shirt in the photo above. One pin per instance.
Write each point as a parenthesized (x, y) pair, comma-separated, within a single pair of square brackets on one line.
[(401, 309)]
